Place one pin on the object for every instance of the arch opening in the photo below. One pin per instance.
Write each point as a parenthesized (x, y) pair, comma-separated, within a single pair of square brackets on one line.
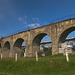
[(0, 45), (6, 50), (6, 46), (67, 41), (64, 35), (20, 47), (42, 44)]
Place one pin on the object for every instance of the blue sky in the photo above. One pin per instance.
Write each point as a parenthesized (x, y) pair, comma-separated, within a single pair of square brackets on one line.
[(16, 15)]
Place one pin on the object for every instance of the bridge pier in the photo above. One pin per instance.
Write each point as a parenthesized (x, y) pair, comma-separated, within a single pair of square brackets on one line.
[(55, 49), (28, 50)]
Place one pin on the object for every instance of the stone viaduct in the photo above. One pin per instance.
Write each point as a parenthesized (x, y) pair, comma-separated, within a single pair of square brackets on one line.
[(57, 32)]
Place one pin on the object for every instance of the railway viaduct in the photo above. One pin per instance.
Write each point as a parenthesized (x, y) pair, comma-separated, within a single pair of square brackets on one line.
[(57, 32)]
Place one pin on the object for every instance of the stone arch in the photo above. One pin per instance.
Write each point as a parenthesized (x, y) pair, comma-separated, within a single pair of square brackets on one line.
[(0, 45), (38, 33), (0, 48), (18, 42), (17, 47), (6, 49), (6, 46), (36, 42), (64, 34)]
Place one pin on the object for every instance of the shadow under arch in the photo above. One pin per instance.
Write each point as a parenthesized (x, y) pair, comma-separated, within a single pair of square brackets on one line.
[(63, 36), (18, 42), (18, 47), (6, 46), (0, 45), (6, 50), (36, 42)]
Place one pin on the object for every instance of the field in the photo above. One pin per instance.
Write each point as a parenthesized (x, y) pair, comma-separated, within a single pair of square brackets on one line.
[(50, 65)]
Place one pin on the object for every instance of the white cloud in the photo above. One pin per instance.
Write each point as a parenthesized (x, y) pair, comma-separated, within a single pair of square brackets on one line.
[(20, 19), (34, 25)]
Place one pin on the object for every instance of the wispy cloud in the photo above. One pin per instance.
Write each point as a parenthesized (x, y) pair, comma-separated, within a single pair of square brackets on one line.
[(23, 19), (34, 25), (25, 16), (25, 22), (20, 18), (35, 19)]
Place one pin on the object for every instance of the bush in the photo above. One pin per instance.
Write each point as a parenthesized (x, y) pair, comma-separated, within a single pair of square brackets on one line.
[(47, 51)]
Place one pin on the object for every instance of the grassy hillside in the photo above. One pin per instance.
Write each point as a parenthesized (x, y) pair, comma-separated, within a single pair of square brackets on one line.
[(51, 65)]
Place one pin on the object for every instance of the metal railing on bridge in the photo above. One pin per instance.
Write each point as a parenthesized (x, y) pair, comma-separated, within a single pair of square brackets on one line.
[(63, 18)]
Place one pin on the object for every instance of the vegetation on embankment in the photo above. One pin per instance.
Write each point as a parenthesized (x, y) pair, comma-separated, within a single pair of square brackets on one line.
[(50, 65)]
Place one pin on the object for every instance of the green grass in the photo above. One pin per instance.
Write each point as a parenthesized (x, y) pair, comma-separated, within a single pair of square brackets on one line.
[(50, 65)]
